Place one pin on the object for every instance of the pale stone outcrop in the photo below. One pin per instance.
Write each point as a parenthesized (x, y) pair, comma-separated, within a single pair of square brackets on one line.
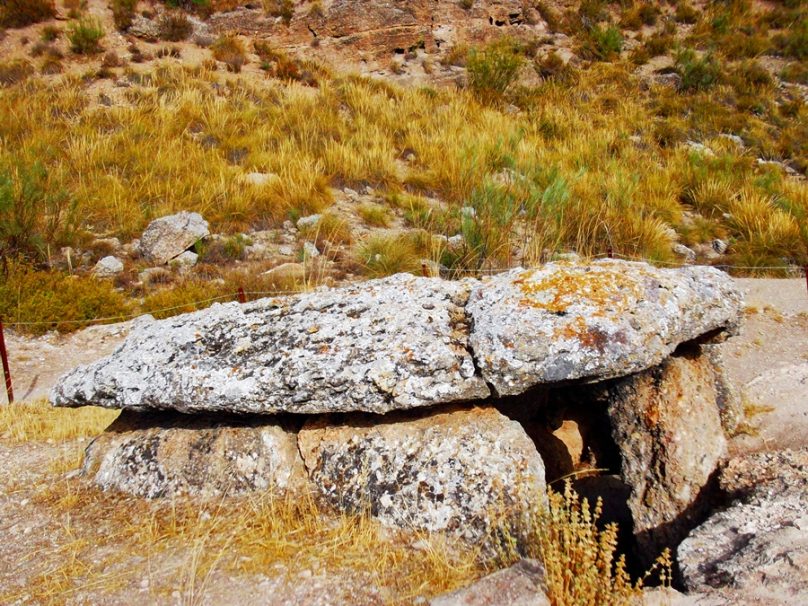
[(592, 321), (667, 428), (108, 267), (169, 454), (376, 346), (758, 545), (472, 473), (168, 237)]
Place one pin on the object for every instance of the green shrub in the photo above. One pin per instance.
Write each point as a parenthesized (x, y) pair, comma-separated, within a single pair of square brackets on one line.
[(230, 50), (57, 301), (375, 215), (697, 73), (602, 43), (85, 36), (492, 70), (123, 11), (50, 33), (34, 212), (20, 13)]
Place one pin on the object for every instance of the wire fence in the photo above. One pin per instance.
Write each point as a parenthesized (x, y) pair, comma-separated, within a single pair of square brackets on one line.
[(484, 271)]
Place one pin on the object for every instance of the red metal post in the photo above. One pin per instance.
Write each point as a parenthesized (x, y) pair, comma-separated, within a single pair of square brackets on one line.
[(6, 369), (242, 298), (610, 253), (424, 270)]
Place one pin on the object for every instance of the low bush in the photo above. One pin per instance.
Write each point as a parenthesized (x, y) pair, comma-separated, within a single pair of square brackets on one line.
[(50, 33), (50, 300), (375, 215), (123, 12), (20, 13), (85, 36), (492, 70), (330, 230), (686, 13), (175, 26), (34, 212), (794, 42), (230, 50), (550, 15), (384, 255), (602, 43), (285, 9), (697, 72)]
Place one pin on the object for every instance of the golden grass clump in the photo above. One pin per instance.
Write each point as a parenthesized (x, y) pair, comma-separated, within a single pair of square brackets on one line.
[(39, 421)]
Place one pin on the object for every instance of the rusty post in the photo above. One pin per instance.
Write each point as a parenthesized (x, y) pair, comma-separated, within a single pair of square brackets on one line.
[(610, 253), (242, 298), (6, 369), (424, 269)]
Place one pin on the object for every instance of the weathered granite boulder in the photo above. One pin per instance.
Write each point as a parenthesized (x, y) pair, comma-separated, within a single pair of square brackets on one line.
[(168, 237), (758, 546), (377, 346), (472, 472), (519, 585), (595, 321), (667, 428), (168, 454), (404, 342), (108, 267)]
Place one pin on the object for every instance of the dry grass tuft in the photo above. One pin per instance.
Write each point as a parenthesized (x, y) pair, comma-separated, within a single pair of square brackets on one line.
[(39, 421)]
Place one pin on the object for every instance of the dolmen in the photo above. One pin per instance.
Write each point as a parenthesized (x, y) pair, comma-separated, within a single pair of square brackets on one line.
[(434, 405)]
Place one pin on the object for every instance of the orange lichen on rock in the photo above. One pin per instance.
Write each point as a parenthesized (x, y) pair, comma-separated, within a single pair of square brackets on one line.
[(603, 288)]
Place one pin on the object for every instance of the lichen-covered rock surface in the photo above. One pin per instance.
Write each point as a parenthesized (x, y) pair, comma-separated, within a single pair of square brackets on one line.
[(168, 237), (376, 346), (667, 427), (404, 342), (170, 454), (596, 321), (758, 545), (467, 472)]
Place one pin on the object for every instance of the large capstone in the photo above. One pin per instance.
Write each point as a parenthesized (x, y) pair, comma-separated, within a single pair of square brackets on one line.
[(598, 321), (382, 345), (169, 454), (472, 473)]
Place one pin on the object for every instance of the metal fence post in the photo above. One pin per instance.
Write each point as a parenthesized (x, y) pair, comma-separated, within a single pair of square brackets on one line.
[(6, 369)]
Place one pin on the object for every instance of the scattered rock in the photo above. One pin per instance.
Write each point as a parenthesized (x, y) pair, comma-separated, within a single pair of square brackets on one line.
[(759, 544), (186, 259), (259, 179), (668, 430), (309, 221), (519, 585), (168, 237), (381, 345), (109, 244), (597, 321), (310, 251), (169, 454), (287, 273), (683, 251), (719, 246), (468, 472), (286, 250), (108, 267)]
